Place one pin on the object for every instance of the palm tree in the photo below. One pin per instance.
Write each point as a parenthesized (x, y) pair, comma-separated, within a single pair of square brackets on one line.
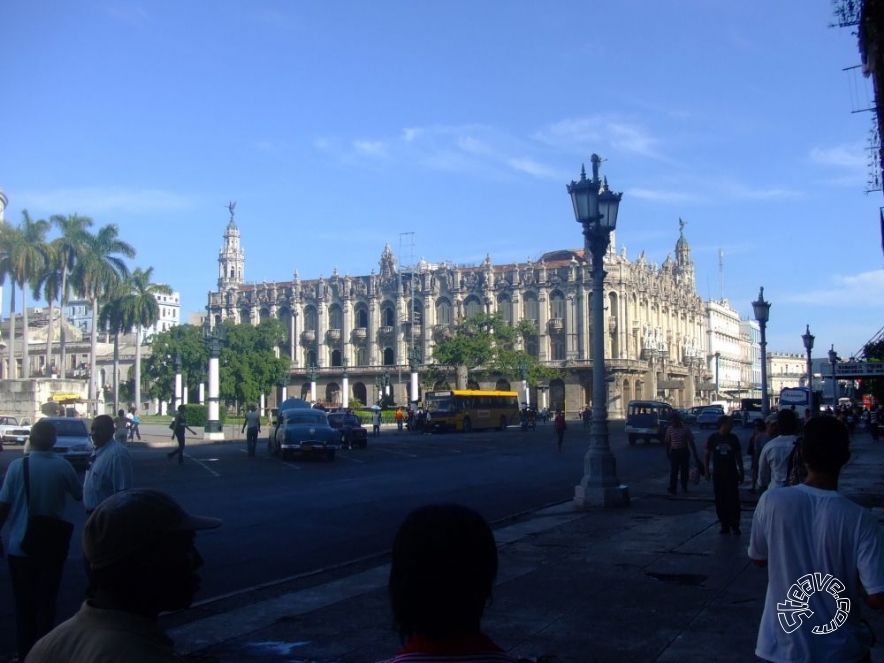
[(98, 272), (70, 248), (26, 256), (112, 319), (47, 286), (9, 237), (142, 311)]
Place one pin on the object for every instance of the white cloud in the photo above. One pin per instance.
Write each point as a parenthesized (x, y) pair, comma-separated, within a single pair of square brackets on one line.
[(590, 132), (374, 148), (853, 157), (96, 200), (850, 291), (664, 195), (532, 167)]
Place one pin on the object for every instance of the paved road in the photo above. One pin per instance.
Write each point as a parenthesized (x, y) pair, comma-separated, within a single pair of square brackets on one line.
[(287, 518)]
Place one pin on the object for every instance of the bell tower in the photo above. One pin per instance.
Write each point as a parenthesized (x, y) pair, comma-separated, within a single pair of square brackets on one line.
[(683, 263), (231, 257)]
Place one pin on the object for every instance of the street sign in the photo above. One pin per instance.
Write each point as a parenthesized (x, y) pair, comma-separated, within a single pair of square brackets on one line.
[(859, 369)]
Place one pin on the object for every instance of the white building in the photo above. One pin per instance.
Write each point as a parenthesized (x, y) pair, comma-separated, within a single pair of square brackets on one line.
[(750, 331), (79, 313), (727, 351)]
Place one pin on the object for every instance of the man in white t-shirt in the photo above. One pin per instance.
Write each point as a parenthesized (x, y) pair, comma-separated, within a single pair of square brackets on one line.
[(773, 463), (820, 549)]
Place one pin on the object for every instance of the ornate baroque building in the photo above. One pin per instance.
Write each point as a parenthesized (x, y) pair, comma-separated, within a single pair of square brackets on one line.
[(655, 326)]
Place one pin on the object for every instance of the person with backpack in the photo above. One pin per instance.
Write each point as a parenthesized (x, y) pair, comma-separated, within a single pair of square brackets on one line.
[(726, 472), (773, 463)]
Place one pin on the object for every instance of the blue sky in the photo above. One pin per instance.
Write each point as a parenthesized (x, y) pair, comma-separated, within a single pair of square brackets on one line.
[(338, 126)]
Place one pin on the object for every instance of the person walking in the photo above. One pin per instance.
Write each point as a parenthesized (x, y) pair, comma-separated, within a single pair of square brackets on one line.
[(110, 467), (376, 423), (679, 443), (560, 426), (251, 427), (36, 485), (400, 416), (773, 462), (811, 531), (726, 472), (121, 427), (134, 421), (586, 415), (179, 426)]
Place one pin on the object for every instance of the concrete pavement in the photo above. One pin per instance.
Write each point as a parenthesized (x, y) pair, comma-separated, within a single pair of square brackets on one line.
[(653, 582)]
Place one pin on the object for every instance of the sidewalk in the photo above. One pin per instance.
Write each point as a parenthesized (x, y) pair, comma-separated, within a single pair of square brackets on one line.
[(653, 582)]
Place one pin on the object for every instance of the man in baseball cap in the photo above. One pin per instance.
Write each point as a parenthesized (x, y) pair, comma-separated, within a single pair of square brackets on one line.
[(139, 544)]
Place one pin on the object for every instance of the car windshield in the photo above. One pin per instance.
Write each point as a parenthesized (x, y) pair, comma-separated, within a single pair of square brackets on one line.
[(8, 421), (340, 420), (72, 428), (305, 418)]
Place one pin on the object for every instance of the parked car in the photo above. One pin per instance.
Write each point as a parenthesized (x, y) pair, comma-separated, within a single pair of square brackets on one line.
[(304, 431), (687, 415), (353, 433), (13, 430), (709, 416), (73, 443), (647, 420)]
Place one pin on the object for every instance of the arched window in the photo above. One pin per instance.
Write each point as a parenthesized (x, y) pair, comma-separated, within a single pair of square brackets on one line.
[(443, 311), (557, 305), (335, 317), (361, 316), (505, 308), (310, 318), (503, 385), (530, 307), (336, 358), (472, 307), (388, 356), (388, 315), (245, 316)]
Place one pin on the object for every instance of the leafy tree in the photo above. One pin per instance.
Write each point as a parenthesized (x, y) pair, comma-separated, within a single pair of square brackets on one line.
[(873, 352), (70, 247), (112, 319), (184, 341), (485, 342), (47, 286), (249, 364)]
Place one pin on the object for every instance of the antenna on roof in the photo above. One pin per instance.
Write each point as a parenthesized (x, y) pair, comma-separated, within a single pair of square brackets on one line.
[(721, 273)]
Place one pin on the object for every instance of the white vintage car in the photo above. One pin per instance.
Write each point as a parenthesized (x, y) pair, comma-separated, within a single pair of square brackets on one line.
[(13, 430)]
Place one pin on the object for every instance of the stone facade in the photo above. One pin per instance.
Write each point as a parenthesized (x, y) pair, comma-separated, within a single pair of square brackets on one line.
[(655, 326)]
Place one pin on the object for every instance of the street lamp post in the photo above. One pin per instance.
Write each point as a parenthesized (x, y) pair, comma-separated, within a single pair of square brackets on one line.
[(386, 382), (595, 208), (283, 390), (833, 357), (214, 337), (345, 399), (414, 361), (808, 338), (523, 373), (176, 399), (761, 309), (312, 373)]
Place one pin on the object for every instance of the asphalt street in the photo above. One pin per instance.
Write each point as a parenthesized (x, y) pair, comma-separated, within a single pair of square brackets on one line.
[(283, 519)]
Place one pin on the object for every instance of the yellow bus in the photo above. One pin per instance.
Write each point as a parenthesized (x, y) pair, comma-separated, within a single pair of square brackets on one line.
[(465, 410)]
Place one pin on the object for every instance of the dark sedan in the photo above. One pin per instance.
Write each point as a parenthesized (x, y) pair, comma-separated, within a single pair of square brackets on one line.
[(304, 432), (353, 434)]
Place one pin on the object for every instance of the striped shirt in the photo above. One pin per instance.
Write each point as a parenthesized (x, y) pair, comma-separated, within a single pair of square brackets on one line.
[(678, 438)]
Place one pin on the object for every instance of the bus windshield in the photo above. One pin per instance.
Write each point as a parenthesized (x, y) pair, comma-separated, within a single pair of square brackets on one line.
[(439, 403)]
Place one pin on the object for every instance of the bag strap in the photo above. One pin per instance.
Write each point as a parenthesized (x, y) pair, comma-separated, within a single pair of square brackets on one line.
[(27, 484)]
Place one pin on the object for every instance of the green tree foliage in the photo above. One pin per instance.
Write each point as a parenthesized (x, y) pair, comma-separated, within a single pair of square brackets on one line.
[(873, 351), (488, 343), (249, 362)]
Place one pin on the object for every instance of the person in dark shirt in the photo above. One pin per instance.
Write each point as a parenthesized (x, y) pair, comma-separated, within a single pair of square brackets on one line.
[(725, 460)]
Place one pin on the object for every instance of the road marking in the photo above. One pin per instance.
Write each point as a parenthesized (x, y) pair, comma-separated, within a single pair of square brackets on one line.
[(203, 465), (350, 458), (400, 453)]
